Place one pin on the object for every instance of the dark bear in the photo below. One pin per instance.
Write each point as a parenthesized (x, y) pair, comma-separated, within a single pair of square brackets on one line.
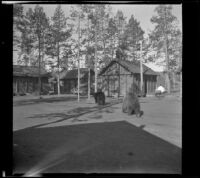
[(99, 97), (131, 103)]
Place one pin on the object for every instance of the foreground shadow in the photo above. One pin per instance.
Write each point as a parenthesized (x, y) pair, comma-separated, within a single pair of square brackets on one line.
[(110, 147)]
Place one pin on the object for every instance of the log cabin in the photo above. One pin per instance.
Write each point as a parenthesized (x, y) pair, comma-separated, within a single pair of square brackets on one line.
[(116, 78)]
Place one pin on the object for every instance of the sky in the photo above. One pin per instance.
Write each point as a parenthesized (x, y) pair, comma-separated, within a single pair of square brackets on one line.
[(142, 13)]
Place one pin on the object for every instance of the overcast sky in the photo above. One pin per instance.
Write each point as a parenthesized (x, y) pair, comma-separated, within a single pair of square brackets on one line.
[(142, 13)]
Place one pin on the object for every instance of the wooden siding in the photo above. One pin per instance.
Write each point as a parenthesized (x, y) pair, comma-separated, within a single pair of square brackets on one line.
[(27, 84), (117, 80)]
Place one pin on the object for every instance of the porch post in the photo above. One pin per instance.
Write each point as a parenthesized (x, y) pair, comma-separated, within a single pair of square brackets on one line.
[(16, 89), (119, 82)]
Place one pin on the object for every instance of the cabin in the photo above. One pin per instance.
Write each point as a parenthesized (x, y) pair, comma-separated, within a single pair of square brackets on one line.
[(116, 78), (25, 79), (69, 80)]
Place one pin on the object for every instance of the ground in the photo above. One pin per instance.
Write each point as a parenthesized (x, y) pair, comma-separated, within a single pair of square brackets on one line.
[(60, 135)]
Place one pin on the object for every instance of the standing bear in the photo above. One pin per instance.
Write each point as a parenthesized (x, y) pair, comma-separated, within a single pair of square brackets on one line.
[(131, 103), (99, 97)]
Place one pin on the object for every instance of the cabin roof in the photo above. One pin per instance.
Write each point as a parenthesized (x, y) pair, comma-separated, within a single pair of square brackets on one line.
[(132, 66), (73, 74), (29, 71)]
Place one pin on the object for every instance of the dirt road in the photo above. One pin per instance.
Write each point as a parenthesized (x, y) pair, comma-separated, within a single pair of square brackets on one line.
[(66, 136)]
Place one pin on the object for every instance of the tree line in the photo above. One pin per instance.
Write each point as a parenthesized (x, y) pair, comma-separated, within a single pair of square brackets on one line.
[(94, 35)]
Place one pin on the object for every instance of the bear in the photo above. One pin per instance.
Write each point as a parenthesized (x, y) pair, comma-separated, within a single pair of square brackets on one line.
[(131, 103), (99, 97)]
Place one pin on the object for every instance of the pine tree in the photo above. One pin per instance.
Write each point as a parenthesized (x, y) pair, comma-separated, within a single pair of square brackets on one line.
[(88, 58), (132, 35), (77, 15), (39, 23), (57, 40), (32, 27), (112, 31), (23, 35), (18, 22), (122, 45), (163, 36)]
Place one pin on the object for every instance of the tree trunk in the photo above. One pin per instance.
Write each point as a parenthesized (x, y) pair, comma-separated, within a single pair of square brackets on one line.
[(78, 57), (89, 64), (180, 85), (166, 55), (141, 69), (112, 48), (58, 79), (174, 81), (104, 41), (95, 64), (119, 83), (16, 89), (88, 83), (39, 77)]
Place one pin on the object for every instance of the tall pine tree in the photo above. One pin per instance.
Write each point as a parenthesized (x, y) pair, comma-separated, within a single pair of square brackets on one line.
[(57, 40), (163, 38), (132, 35)]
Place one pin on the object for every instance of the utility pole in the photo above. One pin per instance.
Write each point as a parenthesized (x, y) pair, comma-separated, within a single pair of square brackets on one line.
[(181, 84), (95, 64), (166, 53), (78, 56), (180, 70), (58, 79), (39, 77), (88, 62), (141, 68)]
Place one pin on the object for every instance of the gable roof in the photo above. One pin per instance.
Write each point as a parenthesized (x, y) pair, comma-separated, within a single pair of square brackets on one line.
[(73, 74), (132, 66), (28, 71)]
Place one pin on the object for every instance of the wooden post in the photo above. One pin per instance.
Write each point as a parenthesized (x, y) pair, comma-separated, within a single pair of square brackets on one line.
[(26, 86), (147, 84), (126, 84), (119, 82), (141, 68), (16, 89), (181, 85), (88, 83), (108, 87)]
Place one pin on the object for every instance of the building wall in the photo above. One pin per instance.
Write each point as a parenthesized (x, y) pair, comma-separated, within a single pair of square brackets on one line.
[(27, 84), (113, 83), (116, 81), (70, 84), (126, 79)]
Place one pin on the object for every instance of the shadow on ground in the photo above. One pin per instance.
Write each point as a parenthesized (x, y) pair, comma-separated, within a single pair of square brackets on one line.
[(110, 147), (75, 113), (45, 100)]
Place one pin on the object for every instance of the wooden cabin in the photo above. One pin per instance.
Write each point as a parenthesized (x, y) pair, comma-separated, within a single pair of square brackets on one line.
[(116, 78), (69, 80), (25, 79)]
